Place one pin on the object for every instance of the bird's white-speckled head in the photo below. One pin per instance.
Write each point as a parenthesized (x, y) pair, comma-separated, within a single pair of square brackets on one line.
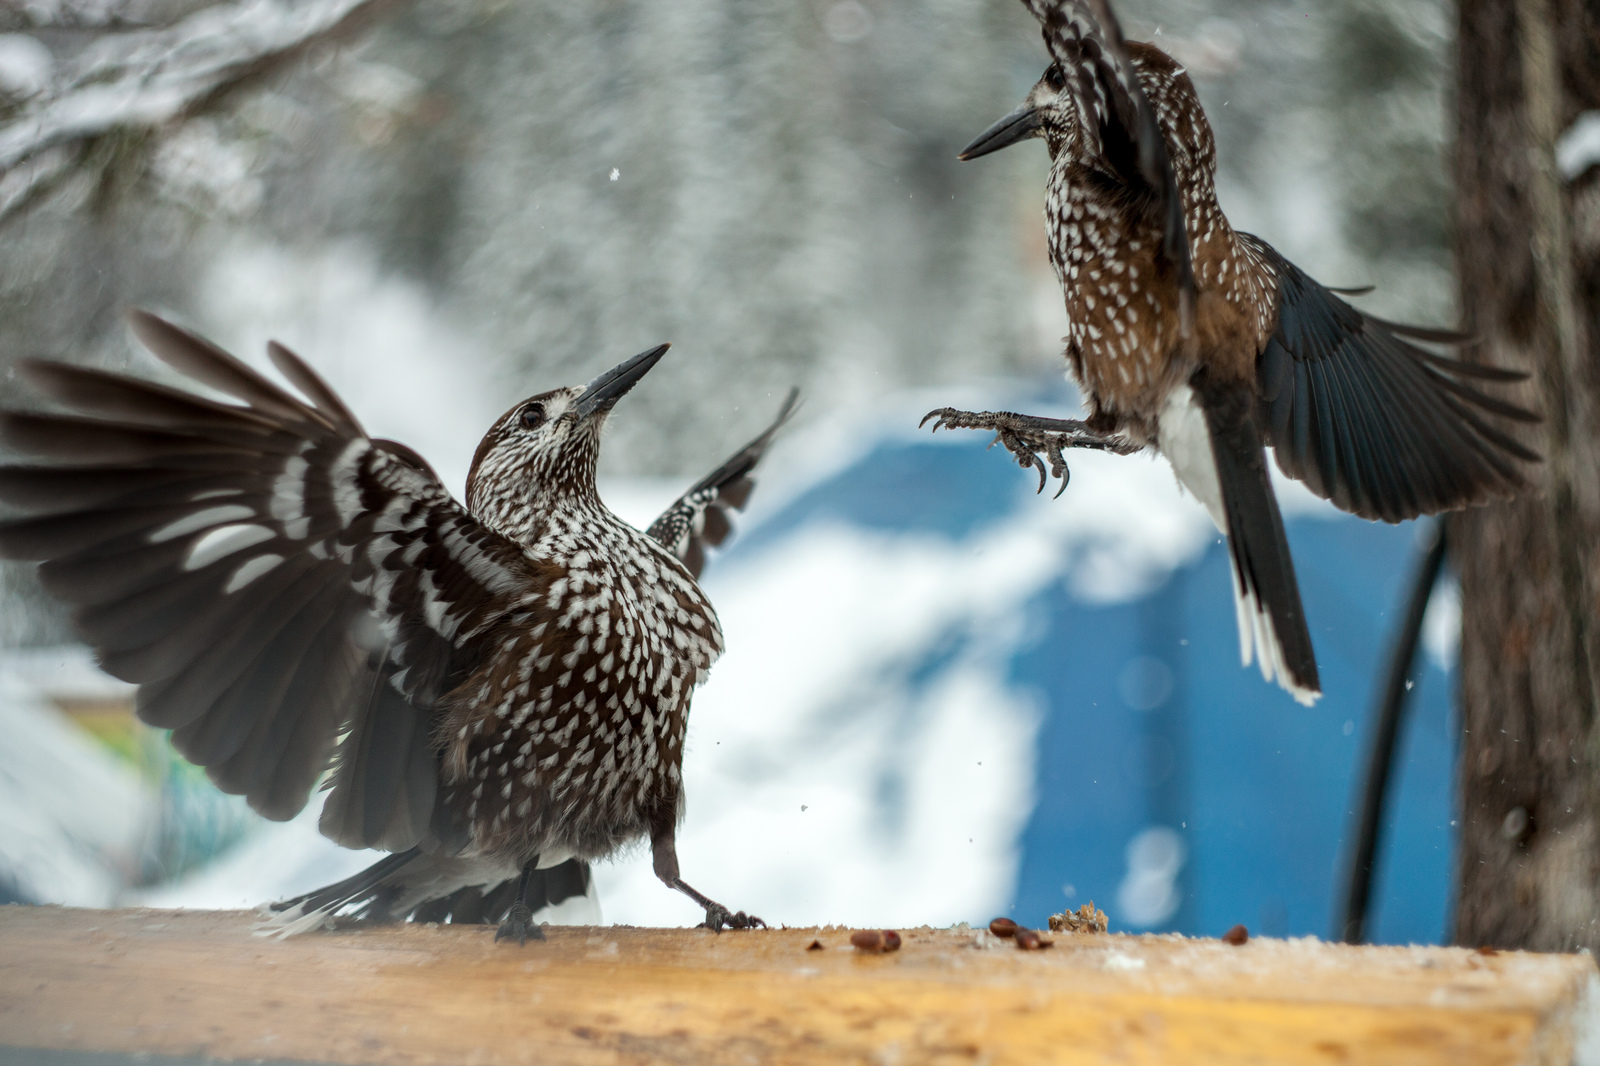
[(1049, 112), (543, 451)]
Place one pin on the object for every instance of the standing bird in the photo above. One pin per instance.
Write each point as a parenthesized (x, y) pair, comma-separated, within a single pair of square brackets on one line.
[(1206, 344), (497, 689)]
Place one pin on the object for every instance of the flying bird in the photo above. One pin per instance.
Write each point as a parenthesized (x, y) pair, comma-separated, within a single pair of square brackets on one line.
[(1204, 343), (495, 692)]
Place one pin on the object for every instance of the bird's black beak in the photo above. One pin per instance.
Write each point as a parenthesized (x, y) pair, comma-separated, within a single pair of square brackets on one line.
[(603, 392), (1017, 126)]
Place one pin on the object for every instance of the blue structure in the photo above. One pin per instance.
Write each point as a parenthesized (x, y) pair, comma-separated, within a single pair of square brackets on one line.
[(1175, 789), (1258, 788)]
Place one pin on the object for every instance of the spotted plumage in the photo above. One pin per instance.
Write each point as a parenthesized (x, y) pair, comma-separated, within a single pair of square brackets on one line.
[(492, 690), (1204, 343)]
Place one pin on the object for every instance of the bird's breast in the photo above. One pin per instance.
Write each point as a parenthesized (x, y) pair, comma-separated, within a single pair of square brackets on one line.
[(583, 705), (1124, 343), (1121, 308)]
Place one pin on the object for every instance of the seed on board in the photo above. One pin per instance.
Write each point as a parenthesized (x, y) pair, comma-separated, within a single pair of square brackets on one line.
[(815, 945), (1029, 939), (1003, 927), (1236, 936), (875, 940)]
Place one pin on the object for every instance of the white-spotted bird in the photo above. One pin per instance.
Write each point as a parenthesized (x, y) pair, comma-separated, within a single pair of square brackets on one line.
[(492, 690), (1204, 343)]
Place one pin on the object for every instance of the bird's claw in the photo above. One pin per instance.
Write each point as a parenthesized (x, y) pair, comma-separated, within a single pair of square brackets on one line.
[(948, 418), (1025, 439), (718, 917), (1058, 465), (1027, 454), (518, 925)]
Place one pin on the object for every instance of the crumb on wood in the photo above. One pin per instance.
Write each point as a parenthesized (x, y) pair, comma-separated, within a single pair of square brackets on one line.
[(874, 941), (1029, 939), (1086, 919)]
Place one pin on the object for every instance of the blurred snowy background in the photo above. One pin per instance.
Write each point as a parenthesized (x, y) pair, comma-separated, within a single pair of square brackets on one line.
[(944, 698)]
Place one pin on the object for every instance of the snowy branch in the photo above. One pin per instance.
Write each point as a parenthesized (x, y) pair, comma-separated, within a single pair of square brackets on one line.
[(66, 14), (142, 79)]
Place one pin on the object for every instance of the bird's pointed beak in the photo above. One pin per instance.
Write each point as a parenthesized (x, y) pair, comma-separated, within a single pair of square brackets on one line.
[(1017, 126), (602, 394)]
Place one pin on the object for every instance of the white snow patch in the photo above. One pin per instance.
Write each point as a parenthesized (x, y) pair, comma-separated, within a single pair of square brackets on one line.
[(1149, 893), (1586, 1025), (1578, 148), (26, 65), (378, 339), (73, 818), (1122, 962), (1441, 626), (200, 167), (278, 860)]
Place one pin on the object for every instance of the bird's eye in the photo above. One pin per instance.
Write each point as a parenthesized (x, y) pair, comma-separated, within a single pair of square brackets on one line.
[(1054, 78), (532, 416)]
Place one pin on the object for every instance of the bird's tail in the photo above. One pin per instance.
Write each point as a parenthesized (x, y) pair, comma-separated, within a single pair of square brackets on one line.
[(1209, 436), (362, 894), (426, 888)]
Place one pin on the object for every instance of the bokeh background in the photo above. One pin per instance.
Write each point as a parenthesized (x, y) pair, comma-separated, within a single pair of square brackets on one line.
[(944, 698)]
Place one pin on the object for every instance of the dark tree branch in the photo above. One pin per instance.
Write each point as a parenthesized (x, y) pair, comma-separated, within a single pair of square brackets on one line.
[(141, 80)]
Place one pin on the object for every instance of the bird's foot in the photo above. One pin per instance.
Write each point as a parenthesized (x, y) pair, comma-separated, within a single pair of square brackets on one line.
[(1028, 437), (518, 925), (718, 917)]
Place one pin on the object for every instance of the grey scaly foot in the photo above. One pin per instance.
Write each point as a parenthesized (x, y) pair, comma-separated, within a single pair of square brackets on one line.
[(1026, 436), (518, 925), (718, 916)]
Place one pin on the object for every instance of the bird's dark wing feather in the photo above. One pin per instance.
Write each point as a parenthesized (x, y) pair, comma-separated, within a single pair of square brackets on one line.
[(1379, 426), (1118, 123), (700, 516), (289, 594)]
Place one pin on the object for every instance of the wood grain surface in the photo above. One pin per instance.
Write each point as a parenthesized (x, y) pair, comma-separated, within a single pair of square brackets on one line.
[(200, 983)]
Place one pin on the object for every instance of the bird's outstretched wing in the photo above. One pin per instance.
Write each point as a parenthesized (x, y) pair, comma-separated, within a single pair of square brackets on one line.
[(1377, 425), (288, 593), (700, 516), (1118, 124)]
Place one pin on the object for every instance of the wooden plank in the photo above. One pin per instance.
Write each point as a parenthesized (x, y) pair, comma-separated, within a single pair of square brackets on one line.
[(200, 983)]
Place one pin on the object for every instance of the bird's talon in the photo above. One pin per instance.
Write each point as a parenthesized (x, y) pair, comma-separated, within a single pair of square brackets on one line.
[(1058, 467), (718, 916), (518, 925), (1032, 440)]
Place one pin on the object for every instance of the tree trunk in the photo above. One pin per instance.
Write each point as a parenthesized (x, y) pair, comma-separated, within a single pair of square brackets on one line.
[(1528, 251)]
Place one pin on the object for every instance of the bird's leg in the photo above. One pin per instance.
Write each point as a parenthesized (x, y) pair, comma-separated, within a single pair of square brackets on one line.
[(665, 851), (518, 922), (1026, 436), (718, 916)]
